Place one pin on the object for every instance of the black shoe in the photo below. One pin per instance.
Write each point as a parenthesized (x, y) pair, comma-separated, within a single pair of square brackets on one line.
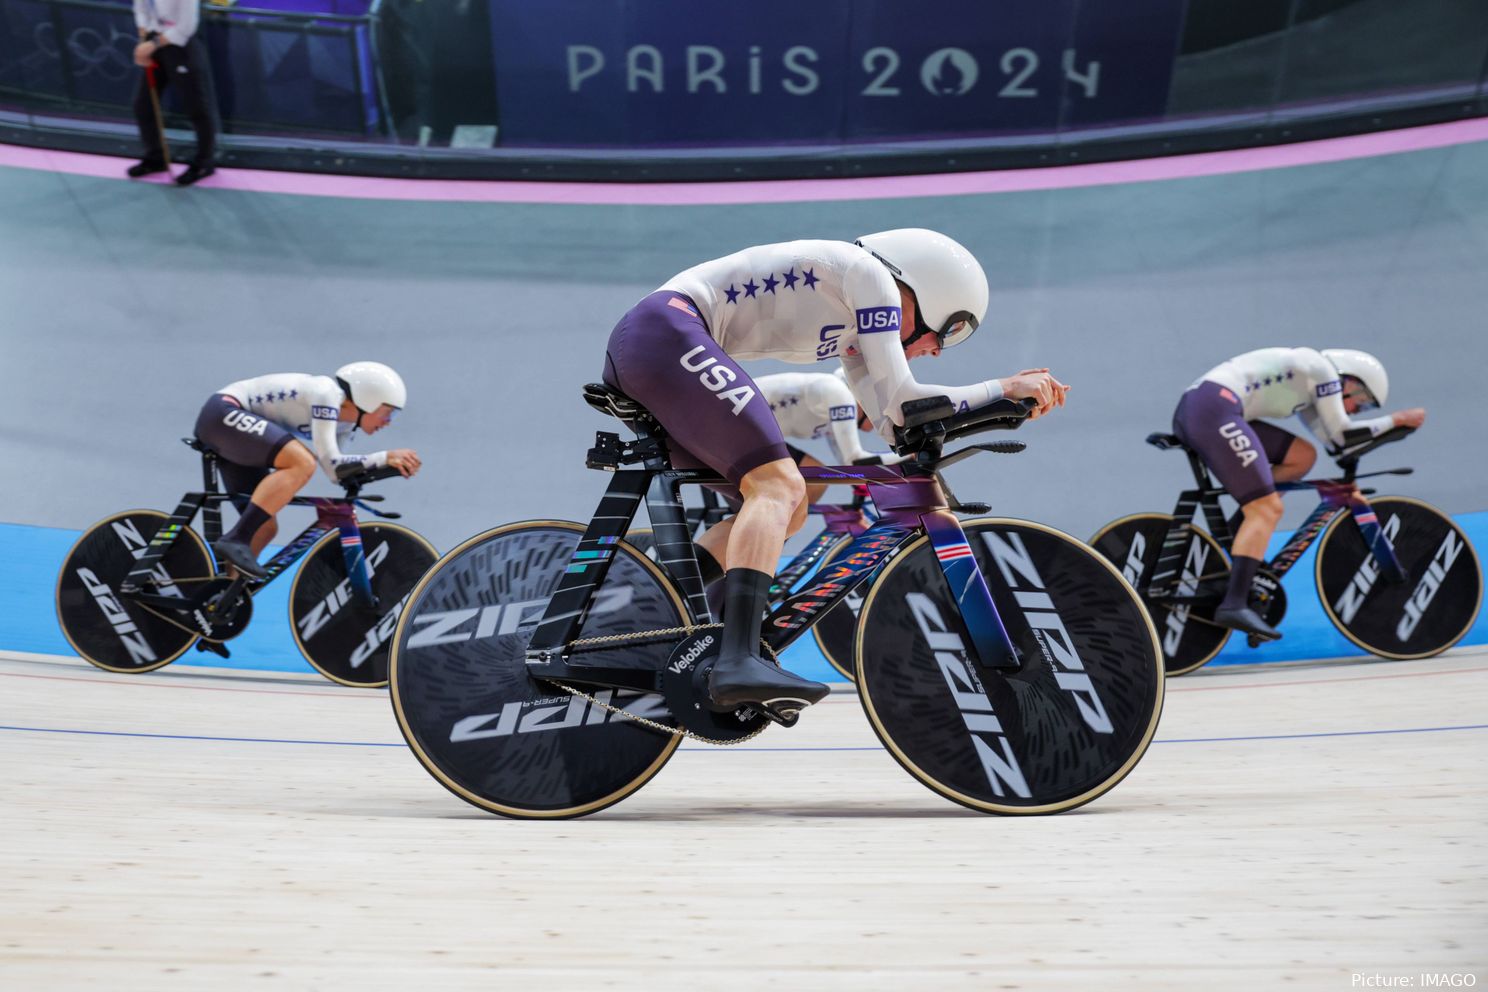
[(239, 556), (1248, 620), (749, 679), (194, 172), (147, 167)]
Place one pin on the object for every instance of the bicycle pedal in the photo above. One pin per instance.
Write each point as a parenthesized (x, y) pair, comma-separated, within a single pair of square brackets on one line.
[(214, 647), (786, 718)]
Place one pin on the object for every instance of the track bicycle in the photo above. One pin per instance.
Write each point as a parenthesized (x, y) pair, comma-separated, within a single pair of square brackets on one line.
[(1395, 575), (547, 669), (140, 587)]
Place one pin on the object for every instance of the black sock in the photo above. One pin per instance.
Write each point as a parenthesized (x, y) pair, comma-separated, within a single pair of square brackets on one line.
[(746, 592), (248, 524), (1242, 570)]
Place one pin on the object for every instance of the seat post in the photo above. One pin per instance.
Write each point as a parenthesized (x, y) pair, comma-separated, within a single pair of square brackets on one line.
[(211, 509)]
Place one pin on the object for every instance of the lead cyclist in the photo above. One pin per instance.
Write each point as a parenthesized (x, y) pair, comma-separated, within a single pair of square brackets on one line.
[(873, 305), (264, 429)]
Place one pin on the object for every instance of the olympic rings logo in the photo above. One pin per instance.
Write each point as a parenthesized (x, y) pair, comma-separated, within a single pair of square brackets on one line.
[(111, 58)]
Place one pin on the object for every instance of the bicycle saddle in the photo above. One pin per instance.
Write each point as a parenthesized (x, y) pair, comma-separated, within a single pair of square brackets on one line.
[(1166, 441), (613, 403), (195, 444)]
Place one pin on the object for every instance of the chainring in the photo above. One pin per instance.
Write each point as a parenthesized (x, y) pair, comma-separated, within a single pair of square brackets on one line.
[(683, 683)]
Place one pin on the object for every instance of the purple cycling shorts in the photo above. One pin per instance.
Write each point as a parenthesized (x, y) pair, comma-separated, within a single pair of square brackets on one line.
[(661, 356), (246, 444), (1211, 420)]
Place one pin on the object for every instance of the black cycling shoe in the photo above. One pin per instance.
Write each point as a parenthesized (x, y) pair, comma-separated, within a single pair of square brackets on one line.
[(239, 556), (1248, 620), (749, 680), (147, 167)]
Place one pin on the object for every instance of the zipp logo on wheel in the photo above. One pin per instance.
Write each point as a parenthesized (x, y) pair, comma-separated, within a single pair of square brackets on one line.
[(324, 611), (1430, 584), (113, 611), (1027, 586), (449, 626), (1354, 594), (1188, 585), (993, 748), (541, 715)]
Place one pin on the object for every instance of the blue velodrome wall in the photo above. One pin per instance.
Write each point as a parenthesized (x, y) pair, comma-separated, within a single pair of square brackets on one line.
[(33, 556)]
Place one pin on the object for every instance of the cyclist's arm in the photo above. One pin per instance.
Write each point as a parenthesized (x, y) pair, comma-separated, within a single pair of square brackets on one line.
[(1330, 422), (845, 439), (871, 290), (180, 32), (323, 420)]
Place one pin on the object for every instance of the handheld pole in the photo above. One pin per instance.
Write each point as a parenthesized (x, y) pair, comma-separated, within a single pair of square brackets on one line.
[(155, 103)]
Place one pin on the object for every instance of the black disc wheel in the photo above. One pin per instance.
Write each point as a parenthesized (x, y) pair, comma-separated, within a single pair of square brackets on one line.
[(1061, 730), (343, 638), (837, 629), (1189, 639), (480, 724), (1420, 617), (119, 634)]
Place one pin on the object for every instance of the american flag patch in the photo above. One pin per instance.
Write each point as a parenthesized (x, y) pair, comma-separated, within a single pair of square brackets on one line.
[(953, 551), (681, 304), (1365, 518)]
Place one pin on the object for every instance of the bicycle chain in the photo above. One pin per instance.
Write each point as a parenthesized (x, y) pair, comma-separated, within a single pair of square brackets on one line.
[(685, 631)]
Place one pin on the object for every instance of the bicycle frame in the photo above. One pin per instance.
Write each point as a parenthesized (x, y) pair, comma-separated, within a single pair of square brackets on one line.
[(908, 506), (331, 513), (1335, 496)]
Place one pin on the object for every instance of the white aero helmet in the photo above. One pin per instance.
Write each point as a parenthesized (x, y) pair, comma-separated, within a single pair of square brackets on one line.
[(371, 384), (949, 285), (1364, 367)]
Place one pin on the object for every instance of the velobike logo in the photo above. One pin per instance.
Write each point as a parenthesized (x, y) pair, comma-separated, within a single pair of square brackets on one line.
[(695, 652), (567, 713), (445, 627), (1188, 587), (113, 611), (322, 612), (378, 635), (1430, 585), (1017, 567), (993, 749), (1357, 590)]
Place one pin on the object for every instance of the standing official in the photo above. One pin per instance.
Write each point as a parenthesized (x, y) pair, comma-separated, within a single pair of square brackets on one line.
[(169, 41)]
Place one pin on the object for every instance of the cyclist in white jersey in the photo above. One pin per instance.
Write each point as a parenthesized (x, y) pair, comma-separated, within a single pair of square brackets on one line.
[(1218, 418), (264, 429), (872, 305)]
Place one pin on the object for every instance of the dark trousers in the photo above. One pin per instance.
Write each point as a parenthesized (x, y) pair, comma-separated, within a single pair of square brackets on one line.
[(184, 66)]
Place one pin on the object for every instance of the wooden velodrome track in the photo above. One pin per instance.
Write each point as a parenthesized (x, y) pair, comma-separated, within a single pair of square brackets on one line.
[(198, 829)]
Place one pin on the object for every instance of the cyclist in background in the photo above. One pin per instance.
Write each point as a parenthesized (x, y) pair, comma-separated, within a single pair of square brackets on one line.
[(874, 305), (271, 431), (1218, 418)]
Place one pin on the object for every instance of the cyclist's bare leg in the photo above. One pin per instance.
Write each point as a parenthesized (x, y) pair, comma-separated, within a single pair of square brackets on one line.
[(1262, 514), (1299, 459), (774, 508), (239, 547), (816, 490)]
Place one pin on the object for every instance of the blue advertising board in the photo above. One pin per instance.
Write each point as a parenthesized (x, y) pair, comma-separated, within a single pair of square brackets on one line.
[(677, 73)]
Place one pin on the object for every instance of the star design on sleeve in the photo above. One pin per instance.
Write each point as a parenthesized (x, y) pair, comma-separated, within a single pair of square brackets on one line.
[(791, 279), (282, 394), (750, 288), (732, 294), (1290, 374), (293, 393), (771, 282), (810, 276)]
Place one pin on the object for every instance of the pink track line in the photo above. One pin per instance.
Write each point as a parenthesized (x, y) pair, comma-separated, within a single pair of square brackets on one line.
[(792, 190)]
